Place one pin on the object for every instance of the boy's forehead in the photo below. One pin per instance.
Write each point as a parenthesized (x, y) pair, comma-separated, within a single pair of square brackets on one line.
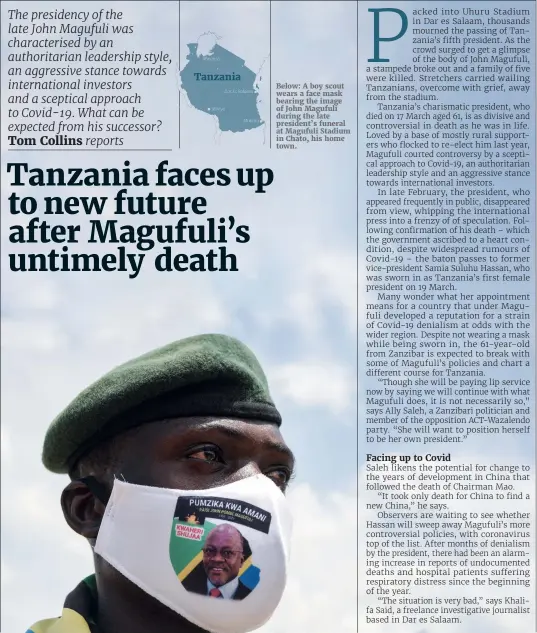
[(241, 432)]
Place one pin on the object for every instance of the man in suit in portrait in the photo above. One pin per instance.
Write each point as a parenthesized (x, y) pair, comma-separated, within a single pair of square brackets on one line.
[(223, 556)]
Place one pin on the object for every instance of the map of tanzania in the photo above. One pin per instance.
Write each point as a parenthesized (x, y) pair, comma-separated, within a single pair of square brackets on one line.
[(221, 84)]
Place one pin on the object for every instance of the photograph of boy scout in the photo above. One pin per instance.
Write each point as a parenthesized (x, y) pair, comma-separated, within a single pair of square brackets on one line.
[(194, 414), (224, 552)]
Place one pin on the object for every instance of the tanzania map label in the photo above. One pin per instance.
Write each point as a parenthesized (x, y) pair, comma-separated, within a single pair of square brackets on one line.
[(221, 84)]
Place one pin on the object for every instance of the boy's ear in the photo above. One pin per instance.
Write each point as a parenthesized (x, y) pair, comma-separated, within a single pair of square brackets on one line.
[(82, 510)]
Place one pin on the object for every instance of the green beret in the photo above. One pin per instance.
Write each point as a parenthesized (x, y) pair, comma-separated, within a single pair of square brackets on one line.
[(206, 375)]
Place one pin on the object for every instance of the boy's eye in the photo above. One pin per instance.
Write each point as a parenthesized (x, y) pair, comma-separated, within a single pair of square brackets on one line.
[(206, 453), (280, 476)]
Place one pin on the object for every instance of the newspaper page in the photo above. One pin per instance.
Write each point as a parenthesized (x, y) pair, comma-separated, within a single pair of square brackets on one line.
[(446, 316), (179, 316)]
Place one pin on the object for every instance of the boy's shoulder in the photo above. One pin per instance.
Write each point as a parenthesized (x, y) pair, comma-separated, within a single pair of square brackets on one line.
[(77, 611), (69, 622)]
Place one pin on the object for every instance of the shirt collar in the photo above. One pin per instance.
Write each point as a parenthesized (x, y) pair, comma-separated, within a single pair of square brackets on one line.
[(83, 599), (226, 590)]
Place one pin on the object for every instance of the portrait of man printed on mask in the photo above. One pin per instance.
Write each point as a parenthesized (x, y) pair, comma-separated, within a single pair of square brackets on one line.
[(217, 576)]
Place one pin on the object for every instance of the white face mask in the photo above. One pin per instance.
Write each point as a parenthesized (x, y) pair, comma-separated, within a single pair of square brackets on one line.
[(218, 557)]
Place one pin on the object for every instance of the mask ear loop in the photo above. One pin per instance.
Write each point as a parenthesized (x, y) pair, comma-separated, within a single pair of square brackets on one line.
[(97, 488)]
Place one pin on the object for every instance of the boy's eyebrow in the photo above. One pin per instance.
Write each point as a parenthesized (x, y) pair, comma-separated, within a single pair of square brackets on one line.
[(274, 445)]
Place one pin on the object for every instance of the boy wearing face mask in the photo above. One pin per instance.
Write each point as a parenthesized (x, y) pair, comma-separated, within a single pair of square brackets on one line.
[(177, 470)]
